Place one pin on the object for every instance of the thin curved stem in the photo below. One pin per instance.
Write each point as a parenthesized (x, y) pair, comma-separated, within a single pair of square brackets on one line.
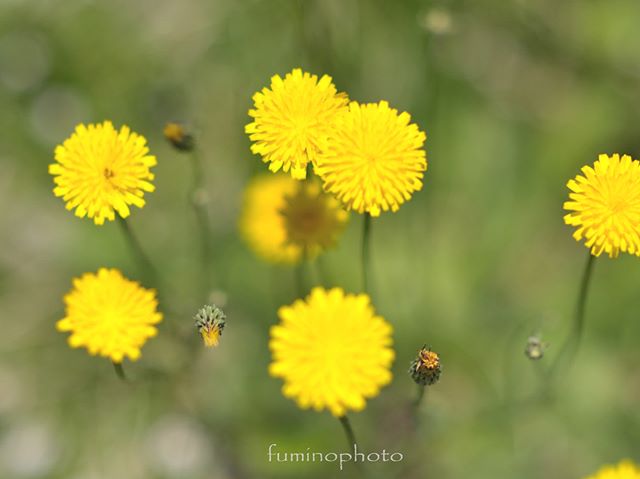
[(419, 396), (348, 431), (572, 343), (138, 252), (120, 371), (366, 246), (204, 226)]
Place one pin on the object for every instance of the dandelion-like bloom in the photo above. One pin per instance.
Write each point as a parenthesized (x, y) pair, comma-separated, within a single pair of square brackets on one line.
[(210, 321), (313, 219), (332, 351), (262, 224), (623, 470), (374, 158), (605, 206), (100, 171), (110, 315), (292, 120), (283, 220)]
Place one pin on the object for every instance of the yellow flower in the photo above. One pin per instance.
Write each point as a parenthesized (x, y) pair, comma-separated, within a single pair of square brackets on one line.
[(605, 206), (624, 470), (332, 351), (261, 223), (99, 171), (292, 119), (109, 315), (283, 219), (313, 220), (373, 160)]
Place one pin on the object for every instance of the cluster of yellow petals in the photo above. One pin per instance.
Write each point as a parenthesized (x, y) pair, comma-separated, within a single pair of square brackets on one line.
[(332, 351), (261, 223), (292, 119), (604, 206), (623, 470), (284, 220), (374, 160), (100, 171), (110, 315)]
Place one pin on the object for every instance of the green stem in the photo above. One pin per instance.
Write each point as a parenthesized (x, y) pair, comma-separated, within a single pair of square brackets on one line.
[(348, 431), (572, 343), (204, 227), (353, 444), (120, 371), (366, 240), (300, 275), (141, 258), (418, 400)]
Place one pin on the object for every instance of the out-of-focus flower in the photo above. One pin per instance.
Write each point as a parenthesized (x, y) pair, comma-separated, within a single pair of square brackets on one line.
[(313, 219), (332, 351), (535, 348), (623, 470), (100, 171), (604, 206), (178, 136), (292, 119), (426, 368), (261, 222), (210, 321), (374, 158), (283, 219), (437, 21), (110, 315)]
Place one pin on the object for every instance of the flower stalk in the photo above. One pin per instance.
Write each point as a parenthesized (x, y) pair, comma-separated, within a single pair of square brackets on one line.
[(572, 343), (366, 254), (120, 371), (198, 202), (144, 263)]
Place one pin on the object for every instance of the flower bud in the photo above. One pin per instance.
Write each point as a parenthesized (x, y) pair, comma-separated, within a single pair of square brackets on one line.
[(426, 368), (210, 321), (178, 136), (535, 348)]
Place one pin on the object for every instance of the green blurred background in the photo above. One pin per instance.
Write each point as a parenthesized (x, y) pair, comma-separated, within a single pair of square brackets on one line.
[(514, 96)]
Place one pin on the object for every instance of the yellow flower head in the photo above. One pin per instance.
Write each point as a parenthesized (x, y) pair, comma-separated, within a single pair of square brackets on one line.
[(624, 470), (292, 119), (332, 351), (110, 315), (605, 206), (373, 160), (313, 220), (99, 171), (283, 219)]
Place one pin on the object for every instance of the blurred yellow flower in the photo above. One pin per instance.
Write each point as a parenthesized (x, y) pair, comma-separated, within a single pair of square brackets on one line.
[(109, 315), (292, 119), (624, 470), (332, 351), (262, 224), (100, 171), (313, 219), (283, 219), (374, 158), (605, 206)]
